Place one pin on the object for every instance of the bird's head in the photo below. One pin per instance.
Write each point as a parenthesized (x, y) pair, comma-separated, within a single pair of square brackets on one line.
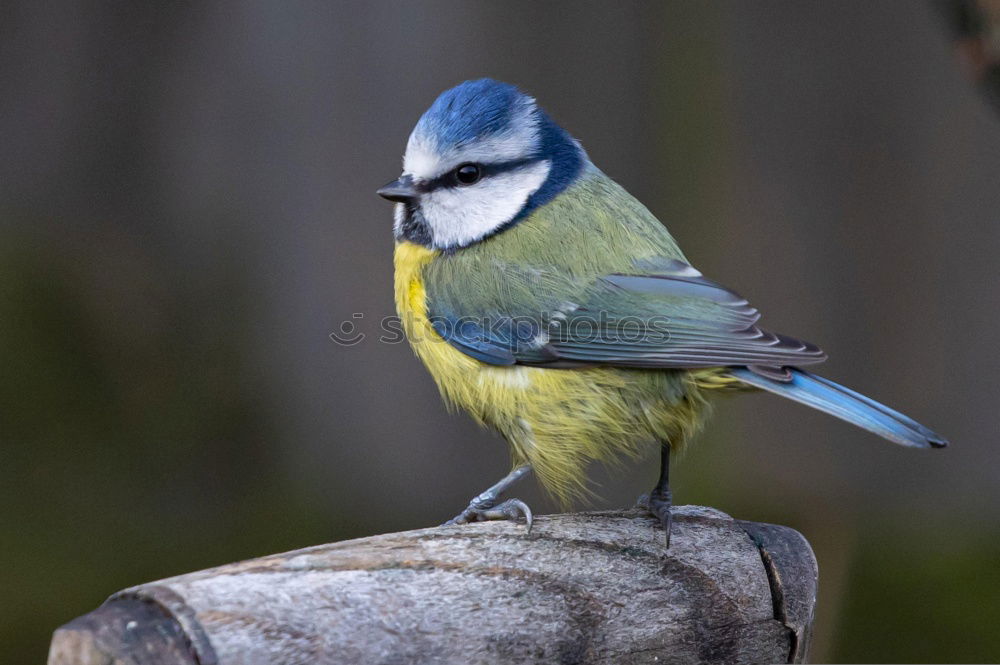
[(480, 159)]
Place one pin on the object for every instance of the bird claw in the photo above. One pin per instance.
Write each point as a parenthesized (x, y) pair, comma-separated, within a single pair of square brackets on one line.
[(511, 509), (658, 506)]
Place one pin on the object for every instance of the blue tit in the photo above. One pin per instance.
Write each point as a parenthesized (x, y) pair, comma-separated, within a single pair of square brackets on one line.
[(554, 308)]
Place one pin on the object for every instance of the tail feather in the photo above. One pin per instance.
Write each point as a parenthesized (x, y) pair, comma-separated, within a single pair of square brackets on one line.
[(846, 404)]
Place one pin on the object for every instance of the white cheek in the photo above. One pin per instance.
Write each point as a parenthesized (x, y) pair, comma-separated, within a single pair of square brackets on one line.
[(458, 216)]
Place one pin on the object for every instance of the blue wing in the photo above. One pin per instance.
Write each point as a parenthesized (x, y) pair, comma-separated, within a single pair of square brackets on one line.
[(665, 315)]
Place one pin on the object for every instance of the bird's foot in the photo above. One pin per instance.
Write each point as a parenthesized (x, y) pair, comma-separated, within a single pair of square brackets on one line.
[(659, 505), (484, 507)]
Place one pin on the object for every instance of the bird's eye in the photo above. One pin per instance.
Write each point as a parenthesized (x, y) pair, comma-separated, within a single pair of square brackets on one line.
[(468, 174)]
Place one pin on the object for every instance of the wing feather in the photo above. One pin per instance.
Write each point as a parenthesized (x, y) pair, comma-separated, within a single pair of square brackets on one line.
[(667, 316)]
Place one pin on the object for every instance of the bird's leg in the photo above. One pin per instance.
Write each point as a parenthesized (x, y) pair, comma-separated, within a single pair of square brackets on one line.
[(660, 499), (485, 507)]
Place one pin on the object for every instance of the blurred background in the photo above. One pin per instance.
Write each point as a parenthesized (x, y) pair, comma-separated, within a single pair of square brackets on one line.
[(187, 211)]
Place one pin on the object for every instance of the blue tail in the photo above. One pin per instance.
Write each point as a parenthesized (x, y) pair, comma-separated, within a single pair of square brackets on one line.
[(844, 403)]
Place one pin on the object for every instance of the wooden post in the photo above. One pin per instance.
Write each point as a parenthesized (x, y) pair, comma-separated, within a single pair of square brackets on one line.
[(582, 588)]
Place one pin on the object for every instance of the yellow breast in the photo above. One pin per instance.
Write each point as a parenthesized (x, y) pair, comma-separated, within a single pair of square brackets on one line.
[(447, 365)]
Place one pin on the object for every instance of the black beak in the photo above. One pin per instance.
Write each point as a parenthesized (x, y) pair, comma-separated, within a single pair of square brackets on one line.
[(400, 191)]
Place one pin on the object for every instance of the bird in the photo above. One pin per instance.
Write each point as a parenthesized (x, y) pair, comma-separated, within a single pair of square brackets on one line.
[(556, 309)]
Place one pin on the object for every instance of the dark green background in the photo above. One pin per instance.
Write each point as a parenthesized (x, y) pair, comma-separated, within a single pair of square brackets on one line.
[(187, 211)]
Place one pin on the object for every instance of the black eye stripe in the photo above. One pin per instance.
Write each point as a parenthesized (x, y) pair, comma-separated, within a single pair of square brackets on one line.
[(486, 170)]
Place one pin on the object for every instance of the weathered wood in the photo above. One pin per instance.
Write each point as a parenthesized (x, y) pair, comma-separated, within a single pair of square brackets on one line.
[(582, 588), (791, 570)]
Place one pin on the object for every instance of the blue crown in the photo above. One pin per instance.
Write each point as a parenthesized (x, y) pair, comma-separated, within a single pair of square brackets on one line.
[(472, 110)]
